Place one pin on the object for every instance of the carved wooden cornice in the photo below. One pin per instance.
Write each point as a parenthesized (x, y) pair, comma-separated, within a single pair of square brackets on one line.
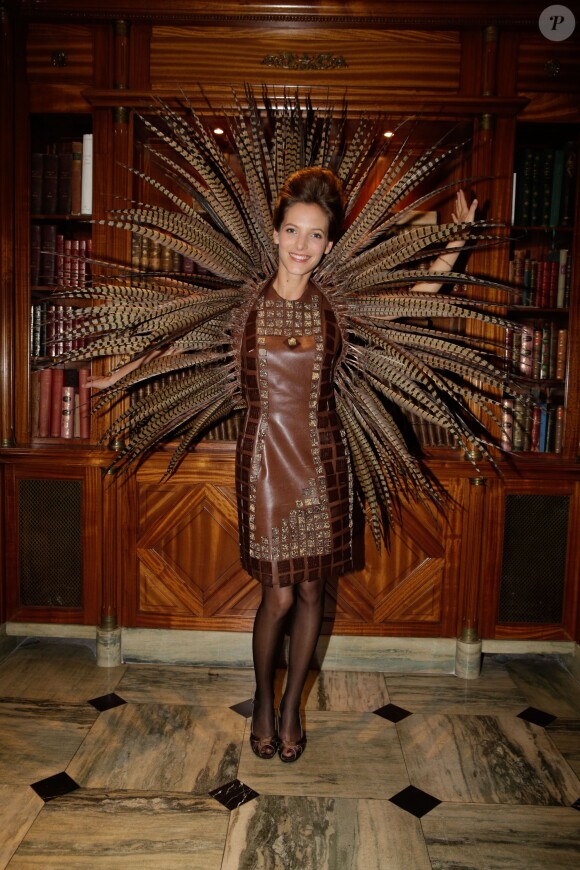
[(410, 14)]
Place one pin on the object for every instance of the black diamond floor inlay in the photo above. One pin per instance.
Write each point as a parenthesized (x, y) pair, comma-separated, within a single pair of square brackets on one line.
[(244, 708), (233, 794), (107, 702), (392, 713), (576, 804), (54, 786), (415, 801), (536, 717)]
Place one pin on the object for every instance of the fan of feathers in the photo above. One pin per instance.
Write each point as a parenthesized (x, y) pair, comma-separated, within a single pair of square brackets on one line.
[(395, 362)]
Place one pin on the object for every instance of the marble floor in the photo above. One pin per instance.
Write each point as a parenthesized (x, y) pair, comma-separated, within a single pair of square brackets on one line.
[(145, 766)]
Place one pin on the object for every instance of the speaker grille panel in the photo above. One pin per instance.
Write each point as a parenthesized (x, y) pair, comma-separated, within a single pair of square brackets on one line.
[(534, 558), (51, 559)]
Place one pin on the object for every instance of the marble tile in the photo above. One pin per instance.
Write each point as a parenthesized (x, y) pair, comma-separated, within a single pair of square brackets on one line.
[(546, 683), (56, 671), (487, 759), (19, 807), (346, 691), (565, 734), (39, 738), (347, 755), (323, 833), (502, 838), (164, 684), (160, 747), (94, 830), (493, 692)]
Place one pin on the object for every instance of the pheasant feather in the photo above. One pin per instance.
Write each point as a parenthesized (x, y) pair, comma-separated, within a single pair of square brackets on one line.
[(218, 212)]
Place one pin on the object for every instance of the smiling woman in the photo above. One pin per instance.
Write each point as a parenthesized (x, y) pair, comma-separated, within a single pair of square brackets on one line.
[(320, 335)]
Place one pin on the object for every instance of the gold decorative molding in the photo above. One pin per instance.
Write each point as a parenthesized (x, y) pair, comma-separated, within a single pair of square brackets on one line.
[(121, 115), (289, 60)]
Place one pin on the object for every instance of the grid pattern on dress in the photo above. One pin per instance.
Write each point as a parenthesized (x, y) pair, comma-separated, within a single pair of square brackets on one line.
[(315, 539)]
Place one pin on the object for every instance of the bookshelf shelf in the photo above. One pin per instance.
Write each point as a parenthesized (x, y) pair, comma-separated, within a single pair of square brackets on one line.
[(60, 251)]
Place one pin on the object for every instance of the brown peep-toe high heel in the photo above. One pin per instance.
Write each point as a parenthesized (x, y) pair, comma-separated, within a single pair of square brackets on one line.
[(263, 747), (291, 750)]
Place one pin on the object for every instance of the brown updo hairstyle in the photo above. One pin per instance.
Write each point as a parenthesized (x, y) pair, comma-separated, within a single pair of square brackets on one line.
[(313, 186)]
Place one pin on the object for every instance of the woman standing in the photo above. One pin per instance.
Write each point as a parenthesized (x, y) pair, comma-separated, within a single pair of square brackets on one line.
[(293, 477)]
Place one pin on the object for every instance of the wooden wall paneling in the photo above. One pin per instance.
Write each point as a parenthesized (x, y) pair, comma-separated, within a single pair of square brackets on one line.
[(91, 543), (186, 546), (7, 229), (494, 532), (3, 554), (571, 450), (188, 572), (572, 593), (544, 66), (473, 546), (189, 57), (139, 54), (60, 63)]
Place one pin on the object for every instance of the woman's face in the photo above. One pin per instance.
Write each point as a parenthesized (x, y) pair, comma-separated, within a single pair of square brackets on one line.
[(302, 238)]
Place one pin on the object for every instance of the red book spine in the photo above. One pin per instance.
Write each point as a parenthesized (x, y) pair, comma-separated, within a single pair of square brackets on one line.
[(88, 272), (82, 282), (67, 263), (74, 263), (561, 354), (44, 403), (535, 433), (553, 283), (526, 351), (84, 404), (60, 259), (56, 402)]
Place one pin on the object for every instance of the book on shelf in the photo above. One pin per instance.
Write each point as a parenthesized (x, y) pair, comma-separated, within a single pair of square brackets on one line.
[(536, 351), (537, 428), (544, 186), (150, 256), (60, 403), (87, 175), (53, 329), (58, 259), (57, 175), (542, 281), (47, 256)]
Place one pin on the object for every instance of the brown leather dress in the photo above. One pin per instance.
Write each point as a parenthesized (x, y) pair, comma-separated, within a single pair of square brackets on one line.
[(293, 479)]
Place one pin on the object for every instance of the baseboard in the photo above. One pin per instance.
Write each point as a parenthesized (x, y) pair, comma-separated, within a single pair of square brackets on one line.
[(338, 652)]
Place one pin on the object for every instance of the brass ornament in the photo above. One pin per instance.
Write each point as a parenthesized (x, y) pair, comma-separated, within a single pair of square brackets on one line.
[(289, 60)]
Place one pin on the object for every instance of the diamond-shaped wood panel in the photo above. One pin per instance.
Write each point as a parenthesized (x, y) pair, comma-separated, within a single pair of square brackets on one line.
[(189, 572), (188, 550), (403, 583)]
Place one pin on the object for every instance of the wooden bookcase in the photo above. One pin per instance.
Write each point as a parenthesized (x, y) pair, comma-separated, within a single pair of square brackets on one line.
[(165, 554)]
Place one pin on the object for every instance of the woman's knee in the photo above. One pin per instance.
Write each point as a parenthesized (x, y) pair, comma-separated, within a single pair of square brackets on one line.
[(311, 592), (277, 601)]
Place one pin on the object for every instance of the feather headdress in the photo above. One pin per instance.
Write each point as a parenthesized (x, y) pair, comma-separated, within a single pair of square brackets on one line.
[(221, 218)]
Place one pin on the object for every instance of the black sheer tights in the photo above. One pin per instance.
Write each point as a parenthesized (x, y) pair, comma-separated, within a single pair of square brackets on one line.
[(307, 602)]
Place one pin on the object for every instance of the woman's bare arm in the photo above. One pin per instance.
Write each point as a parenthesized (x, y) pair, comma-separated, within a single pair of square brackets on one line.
[(445, 262)]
